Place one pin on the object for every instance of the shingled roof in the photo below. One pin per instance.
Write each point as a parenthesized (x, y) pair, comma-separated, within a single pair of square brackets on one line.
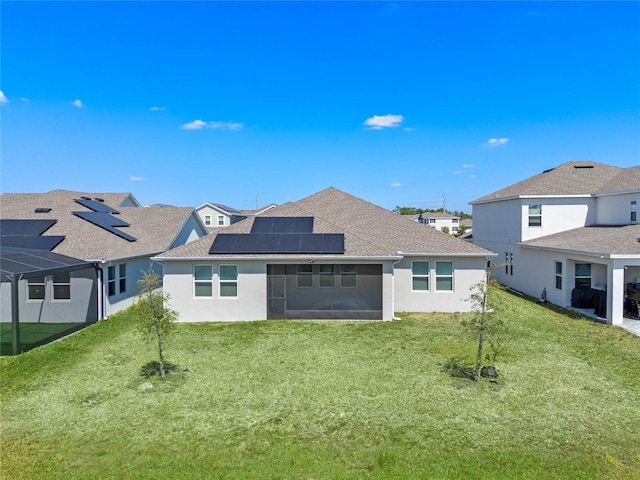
[(570, 178), (369, 230), (605, 241), (154, 228)]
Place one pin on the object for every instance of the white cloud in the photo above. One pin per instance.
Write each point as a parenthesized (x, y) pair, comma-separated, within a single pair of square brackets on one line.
[(25, 100), (496, 142), (157, 109), (3, 98), (200, 124), (137, 179), (378, 122), (77, 103), (396, 184), (467, 165), (457, 172), (473, 175)]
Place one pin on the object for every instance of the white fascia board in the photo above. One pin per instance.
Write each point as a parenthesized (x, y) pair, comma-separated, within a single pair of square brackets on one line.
[(570, 252), (120, 259), (315, 258), (528, 197), (448, 254), (621, 192)]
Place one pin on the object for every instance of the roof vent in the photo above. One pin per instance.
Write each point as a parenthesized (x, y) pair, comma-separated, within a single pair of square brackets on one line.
[(547, 171), (42, 210), (86, 198), (97, 199), (583, 166)]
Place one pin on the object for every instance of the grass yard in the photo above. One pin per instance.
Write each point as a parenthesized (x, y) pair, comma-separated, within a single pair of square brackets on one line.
[(34, 334), (327, 400)]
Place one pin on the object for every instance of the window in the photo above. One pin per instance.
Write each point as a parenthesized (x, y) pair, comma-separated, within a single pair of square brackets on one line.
[(454, 220), (432, 220), (221, 220), (583, 275), (326, 275), (420, 276), (511, 264), (558, 275), (305, 276), (122, 270), (203, 281), (535, 215), (508, 263), (116, 279), (454, 229), (634, 211), (207, 220), (444, 276), (62, 286), (228, 280), (36, 288), (348, 276)]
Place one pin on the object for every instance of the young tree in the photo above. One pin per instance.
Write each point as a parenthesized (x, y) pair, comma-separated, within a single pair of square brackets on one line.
[(155, 318), (484, 324)]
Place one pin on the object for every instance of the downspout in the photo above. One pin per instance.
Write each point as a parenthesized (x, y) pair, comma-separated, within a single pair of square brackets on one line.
[(393, 288), (100, 293)]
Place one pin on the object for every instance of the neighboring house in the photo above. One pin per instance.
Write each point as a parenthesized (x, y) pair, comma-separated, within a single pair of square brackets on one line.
[(439, 220), (329, 255), (111, 230), (217, 215), (566, 229)]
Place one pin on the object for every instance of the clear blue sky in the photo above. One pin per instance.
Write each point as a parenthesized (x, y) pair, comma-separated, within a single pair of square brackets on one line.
[(398, 103)]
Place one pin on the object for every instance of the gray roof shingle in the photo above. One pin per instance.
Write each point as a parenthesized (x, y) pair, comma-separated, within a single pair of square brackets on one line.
[(369, 230), (570, 178), (155, 228)]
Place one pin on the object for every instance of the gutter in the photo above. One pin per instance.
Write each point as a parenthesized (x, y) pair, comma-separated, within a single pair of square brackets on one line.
[(318, 258)]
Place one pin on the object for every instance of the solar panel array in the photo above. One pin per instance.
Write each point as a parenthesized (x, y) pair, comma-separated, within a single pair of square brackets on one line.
[(106, 221), (33, 242), (282, 225), (95, 205), (25, 227), (254, 243)]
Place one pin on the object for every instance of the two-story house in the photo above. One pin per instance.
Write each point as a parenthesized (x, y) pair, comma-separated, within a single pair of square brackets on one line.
[(217, 215), (439, 220), (568, 229)]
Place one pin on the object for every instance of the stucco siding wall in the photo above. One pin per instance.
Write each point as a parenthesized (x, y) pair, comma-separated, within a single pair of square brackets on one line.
[(204, 211), (190, 231), (616, 209), (81, 307), (558, 215), (497, 223), (250, 304), (467, 272), (135, 267)]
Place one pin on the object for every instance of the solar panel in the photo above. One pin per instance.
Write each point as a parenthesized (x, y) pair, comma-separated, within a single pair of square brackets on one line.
[(106, 221), (95, 205), (34, 242), (282, 225), (25, 227), (278, 243)]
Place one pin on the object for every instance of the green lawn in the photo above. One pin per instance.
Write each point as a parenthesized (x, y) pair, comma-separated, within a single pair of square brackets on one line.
[(327, 400), (34, 334)]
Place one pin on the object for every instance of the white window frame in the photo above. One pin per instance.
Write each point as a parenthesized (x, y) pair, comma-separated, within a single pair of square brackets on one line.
[(576, 276), (326, 276), (221, 220), (202, 281), (304, 271), (348, 274), (633, 211), (558, 275), (116, 280), (420, 276), (36, 282), (207, 220), (61, 282), (443, 276), (227, 282), (535, 215)]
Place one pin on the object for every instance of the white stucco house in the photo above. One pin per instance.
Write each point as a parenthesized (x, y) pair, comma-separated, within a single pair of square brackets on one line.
[(327, 256), (110, 231), (567, 229), (440, 220), (217, 215)]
